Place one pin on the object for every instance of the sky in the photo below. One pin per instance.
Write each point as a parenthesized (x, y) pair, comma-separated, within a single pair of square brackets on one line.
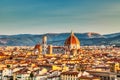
[(58, 16)]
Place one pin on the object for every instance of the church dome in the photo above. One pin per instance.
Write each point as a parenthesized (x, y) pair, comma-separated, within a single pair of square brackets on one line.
[(72, 42), (37, 46)]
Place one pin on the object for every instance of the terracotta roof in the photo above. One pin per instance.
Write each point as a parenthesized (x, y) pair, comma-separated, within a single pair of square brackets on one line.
[(2, 54), (72, 39), (37, 46), (45, 65), (58, 47), (115, 60), (70, 73), (22, 71)]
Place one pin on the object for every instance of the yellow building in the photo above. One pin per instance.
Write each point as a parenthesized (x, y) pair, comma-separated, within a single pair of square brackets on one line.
[(55, 67), (114, 67)]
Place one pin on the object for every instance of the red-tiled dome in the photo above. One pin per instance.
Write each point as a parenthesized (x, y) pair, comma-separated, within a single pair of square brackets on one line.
[(37, 46), (72, 39)]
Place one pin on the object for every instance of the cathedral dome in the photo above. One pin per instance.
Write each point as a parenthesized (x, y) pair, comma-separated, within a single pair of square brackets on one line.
[(72, 42), (37, 46)]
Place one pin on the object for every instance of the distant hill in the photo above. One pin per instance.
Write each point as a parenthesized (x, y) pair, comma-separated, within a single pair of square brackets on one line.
[(89, 38)]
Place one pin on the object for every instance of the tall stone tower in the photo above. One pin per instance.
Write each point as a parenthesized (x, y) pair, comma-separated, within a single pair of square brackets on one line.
[(44, 44)]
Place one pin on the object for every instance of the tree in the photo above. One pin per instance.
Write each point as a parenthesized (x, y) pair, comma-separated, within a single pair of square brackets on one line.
[(31, 75), (8, 66), (11, 78)]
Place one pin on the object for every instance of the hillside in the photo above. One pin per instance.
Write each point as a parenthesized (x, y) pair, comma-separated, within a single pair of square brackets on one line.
[(89, 38)]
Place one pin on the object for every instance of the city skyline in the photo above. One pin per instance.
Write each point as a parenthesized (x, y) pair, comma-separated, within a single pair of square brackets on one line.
[(57, 16)]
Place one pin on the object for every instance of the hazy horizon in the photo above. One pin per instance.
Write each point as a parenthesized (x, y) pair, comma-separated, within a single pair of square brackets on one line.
[(59, 16), (56, 33)]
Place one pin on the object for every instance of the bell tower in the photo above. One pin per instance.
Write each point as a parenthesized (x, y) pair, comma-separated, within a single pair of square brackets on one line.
[(44, 44)]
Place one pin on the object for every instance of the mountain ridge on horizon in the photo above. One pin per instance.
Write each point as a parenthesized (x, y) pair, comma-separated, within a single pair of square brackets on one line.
[(57, 33), (89, 38)]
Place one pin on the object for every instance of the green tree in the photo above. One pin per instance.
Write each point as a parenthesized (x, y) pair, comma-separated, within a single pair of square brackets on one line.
[(11, 78), (8, 66), (31, 75)]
